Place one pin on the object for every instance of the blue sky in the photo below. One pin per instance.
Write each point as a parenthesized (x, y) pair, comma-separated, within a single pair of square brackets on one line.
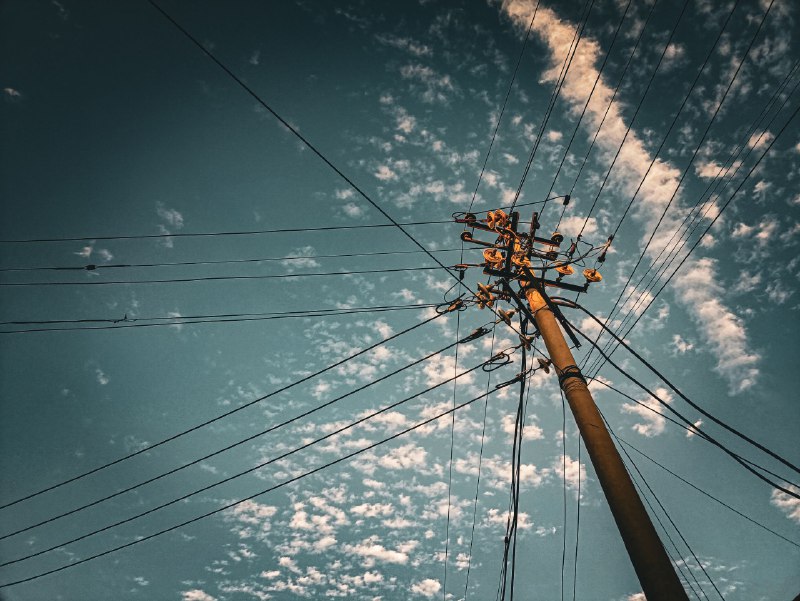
[(115, 124)]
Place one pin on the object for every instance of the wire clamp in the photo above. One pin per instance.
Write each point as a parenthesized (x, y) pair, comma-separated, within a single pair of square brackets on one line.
[(518, 378), (570, 371), (481, 331), (497, 361)]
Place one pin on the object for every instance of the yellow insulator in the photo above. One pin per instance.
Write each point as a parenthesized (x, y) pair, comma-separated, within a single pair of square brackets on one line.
[(492, 255), (565, 269), (520, 260), (506, 315), (557, 238), (495, 219), (592, 275)]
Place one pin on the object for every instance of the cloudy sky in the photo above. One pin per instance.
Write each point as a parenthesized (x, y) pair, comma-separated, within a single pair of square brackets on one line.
[(122, 136)]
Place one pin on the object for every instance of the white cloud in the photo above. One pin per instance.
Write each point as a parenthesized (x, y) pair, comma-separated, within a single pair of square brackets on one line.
[(653, 423), (171, 216), (724, 332), (301, 259), (372, 551), (196, 595), (437, 87), (575, 472), (571, 226), (691, 431), (680, 346), (101, 377), (408, 456), (12, 94), (385, 173), (789, 505), (428, 587), (255, 58)]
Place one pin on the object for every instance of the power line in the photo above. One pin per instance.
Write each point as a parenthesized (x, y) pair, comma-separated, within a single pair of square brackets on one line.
[(707, 494), (224, 277), (691, 403), (746, 464), (710, 190), (503, 107), (578, 35), (93, 267), (635, 114), (293, 230), (253, 496), (696, 150), (250, 438), (181, 320), (711, 224), (583, 111), (221, 416)]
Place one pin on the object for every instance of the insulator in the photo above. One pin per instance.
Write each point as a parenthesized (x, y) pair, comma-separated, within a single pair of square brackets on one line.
[(567, 198), (544, 364), (557, 238), (506, 315), (520, 260), (565, 269), (493, 255), (592, 275)]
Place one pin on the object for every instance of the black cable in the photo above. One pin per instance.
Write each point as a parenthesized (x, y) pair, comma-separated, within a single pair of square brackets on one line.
[(238, 443), (740, 460), (225, 480), (614, 95), (503, 107), (240, 501), (712, 188), (577, 523), (92, 267), (478, 478), (707, 494), (635, 113), (190, 320), (578, 35), (673, 254), (585, 106), (219, 417), (691, 403), (217, 278), (225, 233), (305, 141), (696, 150), (669, 518)]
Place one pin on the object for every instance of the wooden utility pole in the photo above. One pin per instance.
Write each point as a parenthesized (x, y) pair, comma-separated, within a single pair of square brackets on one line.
[(650, 561), (510, 259)]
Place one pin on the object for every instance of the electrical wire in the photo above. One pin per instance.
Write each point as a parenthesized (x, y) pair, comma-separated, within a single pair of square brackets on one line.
[(226, 480), (218, 278), (92, 267), (250, 438), (707, 494), (696, 150), (578, 35), (503, 107), (293, 230), (478, 478), (585, 106), (182, 320), (747, 465), (614, 95), (666, 265), (635, 114), (212, 420), (240, 501)]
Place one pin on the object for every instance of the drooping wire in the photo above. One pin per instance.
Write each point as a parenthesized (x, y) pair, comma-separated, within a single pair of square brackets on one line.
[(182, 320), (238, 443), (219, 278), (747, 465), (225, 233), (666, 514), (212, 420), (696, 150), (691, 403), (240, 501), (576, 39), (503, 107), (635, 114), (478, 478), (585, 106), (92, 267)]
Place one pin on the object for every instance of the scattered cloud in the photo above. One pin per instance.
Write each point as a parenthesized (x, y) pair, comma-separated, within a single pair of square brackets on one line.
[(789, 505), (427, 588)]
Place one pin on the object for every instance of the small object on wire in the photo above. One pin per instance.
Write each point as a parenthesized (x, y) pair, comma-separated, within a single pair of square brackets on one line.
[(544, 364), (506, 315), (606, 246), (90, 267), (518, 378), (497, 361), (567, 198), (527, 341)]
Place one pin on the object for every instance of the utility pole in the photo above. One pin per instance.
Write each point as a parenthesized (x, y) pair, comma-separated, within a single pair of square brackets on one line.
[(511, 259)]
